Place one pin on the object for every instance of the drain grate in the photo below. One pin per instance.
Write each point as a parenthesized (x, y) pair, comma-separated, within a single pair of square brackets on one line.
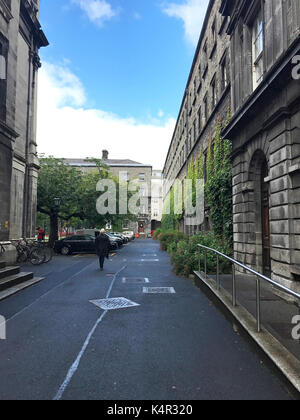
[(114, 303), (135, 280), (158, 290)]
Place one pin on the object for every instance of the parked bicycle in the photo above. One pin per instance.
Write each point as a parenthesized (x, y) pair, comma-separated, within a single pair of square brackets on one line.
[(35, 252)]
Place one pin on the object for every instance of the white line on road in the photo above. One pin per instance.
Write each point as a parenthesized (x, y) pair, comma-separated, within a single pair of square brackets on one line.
[(75, 365), (49, 291)]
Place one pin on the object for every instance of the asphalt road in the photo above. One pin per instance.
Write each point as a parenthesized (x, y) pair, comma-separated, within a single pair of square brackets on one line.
[(170, 347)]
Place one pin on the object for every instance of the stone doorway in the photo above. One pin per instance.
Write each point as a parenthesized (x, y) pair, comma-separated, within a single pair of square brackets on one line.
[(258, 175)]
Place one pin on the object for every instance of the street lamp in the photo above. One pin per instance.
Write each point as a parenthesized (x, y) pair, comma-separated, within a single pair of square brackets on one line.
[(57, 202)]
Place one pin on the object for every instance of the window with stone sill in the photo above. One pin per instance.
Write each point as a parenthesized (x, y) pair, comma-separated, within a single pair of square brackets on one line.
[(199, 120), (214, 93), (205, 105), (195, 130), (258, 50), (224, 73)]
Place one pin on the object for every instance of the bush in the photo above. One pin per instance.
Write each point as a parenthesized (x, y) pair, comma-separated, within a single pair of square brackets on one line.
[(167, 238), (156, 233), (184, 252)]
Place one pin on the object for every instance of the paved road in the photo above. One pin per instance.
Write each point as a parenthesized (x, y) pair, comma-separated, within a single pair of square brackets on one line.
[(171, 347)]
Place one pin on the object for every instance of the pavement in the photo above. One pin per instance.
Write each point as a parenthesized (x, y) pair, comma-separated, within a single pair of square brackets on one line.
[(277, 309), (170, 346)]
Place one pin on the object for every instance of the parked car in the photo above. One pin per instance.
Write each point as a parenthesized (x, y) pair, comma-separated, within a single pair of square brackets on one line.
[(79, 243), (129, 234), (116, 238), (120, 235)]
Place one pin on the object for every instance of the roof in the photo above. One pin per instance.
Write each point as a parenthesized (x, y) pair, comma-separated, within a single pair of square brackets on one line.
[(108, 162)]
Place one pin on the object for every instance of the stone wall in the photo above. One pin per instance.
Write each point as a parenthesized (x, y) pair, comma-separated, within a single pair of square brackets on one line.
[(205, 85)]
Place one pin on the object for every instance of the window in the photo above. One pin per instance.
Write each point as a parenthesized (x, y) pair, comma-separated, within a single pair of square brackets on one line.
[(124, 176), (224, 73), (214, 33), (199, 121), (142, 177), (205, 116), (205, 52), (213, 93), (257, 50), (195, 131)]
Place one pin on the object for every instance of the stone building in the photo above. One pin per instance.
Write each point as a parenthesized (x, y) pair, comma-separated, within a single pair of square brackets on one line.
[(206, 100), (265, 131), (156, 198), (20, 39), (126, 170)]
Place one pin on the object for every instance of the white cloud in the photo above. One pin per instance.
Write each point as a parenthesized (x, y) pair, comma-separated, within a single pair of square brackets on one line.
[(68, 128), (97, 10), (192, 13)]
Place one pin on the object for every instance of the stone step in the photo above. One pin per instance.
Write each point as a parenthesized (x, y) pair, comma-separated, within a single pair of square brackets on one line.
[(15, 289), (8, 271), (14, 280)]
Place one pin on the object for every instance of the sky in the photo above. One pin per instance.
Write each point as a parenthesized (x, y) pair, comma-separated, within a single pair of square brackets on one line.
[(113, 76)]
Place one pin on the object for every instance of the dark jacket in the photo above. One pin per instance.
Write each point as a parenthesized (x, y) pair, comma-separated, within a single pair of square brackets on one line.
[(102, 245)]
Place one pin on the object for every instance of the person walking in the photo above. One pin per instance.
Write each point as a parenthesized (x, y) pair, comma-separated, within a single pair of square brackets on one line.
[(102, 245)]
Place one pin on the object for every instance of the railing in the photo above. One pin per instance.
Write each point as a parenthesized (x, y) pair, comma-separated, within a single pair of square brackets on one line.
[(258, 276)]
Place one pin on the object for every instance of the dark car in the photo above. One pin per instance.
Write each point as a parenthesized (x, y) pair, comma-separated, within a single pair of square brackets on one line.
[(116, 239), (78, 243)]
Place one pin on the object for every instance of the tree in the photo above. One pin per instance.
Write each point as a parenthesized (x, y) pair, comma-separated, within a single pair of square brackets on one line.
[(78, 195), (57, 180)]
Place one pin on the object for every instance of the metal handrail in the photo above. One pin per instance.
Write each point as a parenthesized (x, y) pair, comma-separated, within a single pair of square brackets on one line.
[(259, 277)]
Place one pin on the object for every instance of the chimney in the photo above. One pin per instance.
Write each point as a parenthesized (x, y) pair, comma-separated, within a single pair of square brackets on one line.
[(104, 154)]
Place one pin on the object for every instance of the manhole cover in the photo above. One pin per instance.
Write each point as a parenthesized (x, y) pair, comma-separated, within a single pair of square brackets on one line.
[(135, 280), (158, 290), (114, 303)]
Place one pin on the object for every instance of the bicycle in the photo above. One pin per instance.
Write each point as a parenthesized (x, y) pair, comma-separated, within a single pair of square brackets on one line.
[(46, 250), (28, 251)]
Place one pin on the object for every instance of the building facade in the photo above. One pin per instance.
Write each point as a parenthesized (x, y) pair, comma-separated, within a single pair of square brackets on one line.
[(126, 170), (265, 132), (206, 100), (156, 198), (20, 39)]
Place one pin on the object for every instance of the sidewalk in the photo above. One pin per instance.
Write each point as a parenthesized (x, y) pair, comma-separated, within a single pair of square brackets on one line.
[(277, 311)]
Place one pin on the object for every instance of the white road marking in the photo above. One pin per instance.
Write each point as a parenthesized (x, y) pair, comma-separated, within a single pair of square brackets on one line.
[(49, 291), (75, 365)]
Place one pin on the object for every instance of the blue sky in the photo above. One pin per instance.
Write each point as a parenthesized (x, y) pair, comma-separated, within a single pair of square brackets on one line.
[(114, 73)]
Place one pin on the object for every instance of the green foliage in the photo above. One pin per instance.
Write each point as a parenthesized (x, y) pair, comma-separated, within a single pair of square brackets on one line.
[(156, 233), (218, 188), (184, 252), (58, 180), (77, 192), (166, 238), (201, 164), (218, 191), (210, 160)]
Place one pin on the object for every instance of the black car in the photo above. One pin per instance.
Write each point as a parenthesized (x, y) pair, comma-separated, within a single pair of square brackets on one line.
[(116, 239), (78, 243)]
